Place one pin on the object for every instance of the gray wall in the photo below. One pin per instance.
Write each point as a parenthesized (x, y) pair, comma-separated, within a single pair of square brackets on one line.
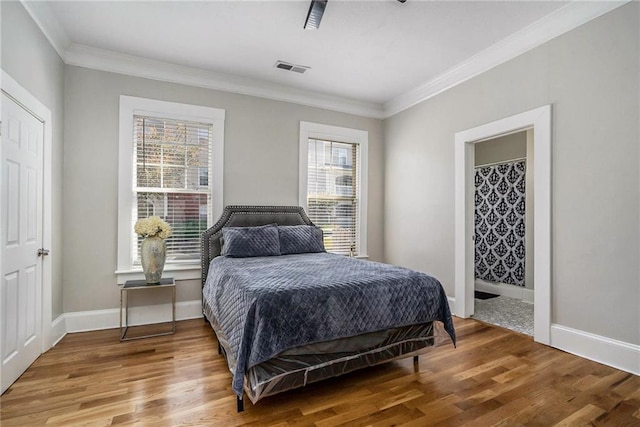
[(501, 149), (27, 56), (591, 77), (261, 167)]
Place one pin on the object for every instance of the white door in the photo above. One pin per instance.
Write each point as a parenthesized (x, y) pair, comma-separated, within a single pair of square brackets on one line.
[(21, 240)]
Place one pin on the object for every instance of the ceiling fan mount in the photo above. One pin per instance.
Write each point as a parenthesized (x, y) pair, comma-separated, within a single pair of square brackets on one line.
[(314, 15), (316, 10)]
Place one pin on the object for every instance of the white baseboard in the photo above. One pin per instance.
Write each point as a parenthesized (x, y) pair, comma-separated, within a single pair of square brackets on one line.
[(617, 354), (452, 304), (503, 289), (82, 321), (610, 352), (58, 330)]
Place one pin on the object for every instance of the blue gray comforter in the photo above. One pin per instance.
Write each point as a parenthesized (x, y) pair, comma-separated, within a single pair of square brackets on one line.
[(266, 305)]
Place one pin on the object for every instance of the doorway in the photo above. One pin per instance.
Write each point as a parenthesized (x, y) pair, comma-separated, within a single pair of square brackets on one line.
[(539, 120), (503, 234)]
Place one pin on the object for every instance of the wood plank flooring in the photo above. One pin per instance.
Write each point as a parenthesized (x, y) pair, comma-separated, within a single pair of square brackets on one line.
[(494, 377)]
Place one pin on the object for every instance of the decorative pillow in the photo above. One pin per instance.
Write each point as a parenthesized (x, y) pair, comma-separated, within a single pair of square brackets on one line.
[(300, 239), (242, 242)]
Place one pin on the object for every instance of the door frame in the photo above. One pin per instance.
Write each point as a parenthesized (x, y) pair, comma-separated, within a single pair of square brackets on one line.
[(22, 96), (539, 120)]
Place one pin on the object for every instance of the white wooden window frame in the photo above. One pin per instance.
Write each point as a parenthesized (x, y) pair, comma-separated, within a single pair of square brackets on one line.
[(130, 106), (309, 130)]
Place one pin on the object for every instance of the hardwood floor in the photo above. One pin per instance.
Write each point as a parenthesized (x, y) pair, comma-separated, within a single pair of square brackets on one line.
[(494, 377)]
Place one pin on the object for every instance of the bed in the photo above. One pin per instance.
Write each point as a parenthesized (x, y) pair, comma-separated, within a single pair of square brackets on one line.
[(286, 313)]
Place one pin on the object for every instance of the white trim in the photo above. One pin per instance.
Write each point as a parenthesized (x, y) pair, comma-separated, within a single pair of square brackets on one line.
[(504, 289), (540, 120), (338, 134), (93, 320), (452, 304), (12, 87), (129, 106), (617, 354), (59, 329), (551, 26), (561, 21), (614, 353)]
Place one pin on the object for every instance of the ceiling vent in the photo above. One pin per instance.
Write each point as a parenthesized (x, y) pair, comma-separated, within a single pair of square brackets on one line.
[(291, 67)]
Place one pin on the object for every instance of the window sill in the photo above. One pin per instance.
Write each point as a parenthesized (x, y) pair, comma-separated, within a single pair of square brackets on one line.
[(178, 272)]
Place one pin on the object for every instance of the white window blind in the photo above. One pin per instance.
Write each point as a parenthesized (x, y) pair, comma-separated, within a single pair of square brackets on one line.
[(333, 193), (172, 161)]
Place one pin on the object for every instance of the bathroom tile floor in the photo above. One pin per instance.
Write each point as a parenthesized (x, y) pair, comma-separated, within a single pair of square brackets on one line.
[(509, 313)]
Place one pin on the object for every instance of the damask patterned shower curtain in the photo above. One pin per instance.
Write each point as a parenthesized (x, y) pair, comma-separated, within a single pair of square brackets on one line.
[(500, 222)]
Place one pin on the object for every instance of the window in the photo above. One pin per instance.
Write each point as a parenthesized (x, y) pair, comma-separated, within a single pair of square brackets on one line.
[(333, 174), (171, 159), (171, 167)]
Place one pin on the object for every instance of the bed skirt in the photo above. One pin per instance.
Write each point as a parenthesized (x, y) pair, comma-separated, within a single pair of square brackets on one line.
[(298, 367)]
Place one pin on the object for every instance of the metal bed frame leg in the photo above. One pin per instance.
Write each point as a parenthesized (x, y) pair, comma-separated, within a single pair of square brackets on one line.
[(415, 359), (240, 403)]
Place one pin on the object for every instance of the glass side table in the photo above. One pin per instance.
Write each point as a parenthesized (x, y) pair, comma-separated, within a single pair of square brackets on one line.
[(135, 285)]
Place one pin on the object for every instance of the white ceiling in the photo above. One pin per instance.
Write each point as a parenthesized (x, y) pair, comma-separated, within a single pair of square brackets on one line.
[(369, 52)]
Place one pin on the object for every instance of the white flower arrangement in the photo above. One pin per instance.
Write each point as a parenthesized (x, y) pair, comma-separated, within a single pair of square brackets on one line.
[(153, 226)]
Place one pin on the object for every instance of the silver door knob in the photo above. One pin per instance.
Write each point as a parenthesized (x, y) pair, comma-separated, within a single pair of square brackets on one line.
[(43, 252)]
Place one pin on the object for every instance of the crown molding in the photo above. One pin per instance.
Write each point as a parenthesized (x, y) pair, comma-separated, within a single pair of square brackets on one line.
[(553, 25), (565, 19), (105, 60)]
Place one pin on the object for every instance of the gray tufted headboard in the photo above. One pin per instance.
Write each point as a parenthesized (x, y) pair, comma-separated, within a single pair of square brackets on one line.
[(246, 216)]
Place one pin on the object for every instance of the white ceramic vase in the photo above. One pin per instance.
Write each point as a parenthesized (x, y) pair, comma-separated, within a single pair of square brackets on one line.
[(153, 252)]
